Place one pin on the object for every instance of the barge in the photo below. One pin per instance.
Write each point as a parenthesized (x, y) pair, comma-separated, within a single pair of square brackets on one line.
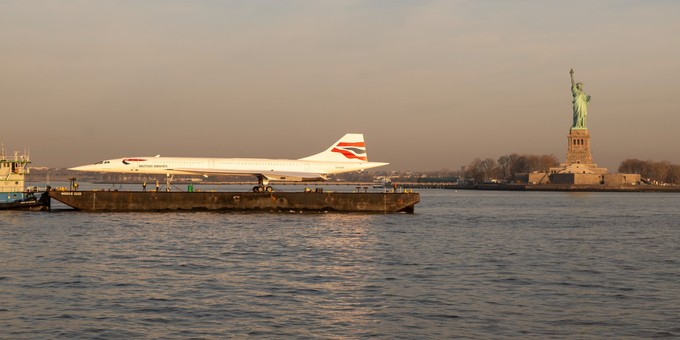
[(346, 202)]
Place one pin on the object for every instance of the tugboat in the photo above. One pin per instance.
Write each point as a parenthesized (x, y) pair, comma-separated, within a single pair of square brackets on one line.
[(382, 182), (13, 194)]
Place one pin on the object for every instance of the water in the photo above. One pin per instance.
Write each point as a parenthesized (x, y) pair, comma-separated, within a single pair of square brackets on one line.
[(468, 264)]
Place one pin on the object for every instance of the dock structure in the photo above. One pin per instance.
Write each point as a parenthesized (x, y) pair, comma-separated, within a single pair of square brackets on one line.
[(366, 202)]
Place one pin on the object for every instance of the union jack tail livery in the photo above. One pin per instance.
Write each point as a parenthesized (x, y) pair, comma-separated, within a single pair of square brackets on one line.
[(350, 148)]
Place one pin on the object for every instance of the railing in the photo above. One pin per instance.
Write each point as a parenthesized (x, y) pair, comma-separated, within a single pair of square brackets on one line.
[(19, 188)]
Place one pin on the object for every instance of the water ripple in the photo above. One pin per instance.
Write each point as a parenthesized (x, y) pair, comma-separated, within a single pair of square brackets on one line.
[(467, 264)]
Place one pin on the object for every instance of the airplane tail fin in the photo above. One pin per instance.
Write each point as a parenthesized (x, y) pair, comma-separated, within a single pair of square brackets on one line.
[(350, 148)]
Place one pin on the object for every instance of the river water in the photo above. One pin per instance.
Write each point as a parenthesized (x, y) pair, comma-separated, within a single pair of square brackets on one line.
[(467, 264)]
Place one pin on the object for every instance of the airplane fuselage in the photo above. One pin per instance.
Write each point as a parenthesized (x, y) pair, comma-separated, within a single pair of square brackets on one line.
[(273, 169)]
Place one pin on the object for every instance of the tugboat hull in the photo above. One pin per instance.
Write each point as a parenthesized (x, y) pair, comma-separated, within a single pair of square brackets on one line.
[(29, 202)]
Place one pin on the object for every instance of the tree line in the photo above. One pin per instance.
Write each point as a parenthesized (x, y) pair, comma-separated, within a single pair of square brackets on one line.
[(661, 172), (507, 166)]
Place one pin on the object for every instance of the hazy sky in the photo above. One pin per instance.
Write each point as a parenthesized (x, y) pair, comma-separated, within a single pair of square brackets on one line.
[(431, 84)]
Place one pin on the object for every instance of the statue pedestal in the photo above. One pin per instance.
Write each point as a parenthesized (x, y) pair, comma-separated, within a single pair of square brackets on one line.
[(579, 158), (578, 149)]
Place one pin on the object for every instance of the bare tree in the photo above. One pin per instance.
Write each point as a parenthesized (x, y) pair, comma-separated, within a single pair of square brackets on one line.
[(510, 165), (634, 166), (674, 175), (481, 169), (663, 171)]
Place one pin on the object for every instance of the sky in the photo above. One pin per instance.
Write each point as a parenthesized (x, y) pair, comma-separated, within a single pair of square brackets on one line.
[(432, 85)]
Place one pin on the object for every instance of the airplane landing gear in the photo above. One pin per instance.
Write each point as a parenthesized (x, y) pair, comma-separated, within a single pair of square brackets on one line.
[(263, 185), (258, 188), (168, 179)]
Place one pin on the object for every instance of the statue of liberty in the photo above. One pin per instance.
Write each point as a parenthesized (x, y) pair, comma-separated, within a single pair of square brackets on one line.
[(581, 100)]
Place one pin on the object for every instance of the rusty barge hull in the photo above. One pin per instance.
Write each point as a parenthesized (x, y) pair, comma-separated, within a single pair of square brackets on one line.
[(110, 201)]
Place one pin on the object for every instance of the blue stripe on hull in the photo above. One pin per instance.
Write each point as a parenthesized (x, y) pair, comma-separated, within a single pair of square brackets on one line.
[(6, 197)]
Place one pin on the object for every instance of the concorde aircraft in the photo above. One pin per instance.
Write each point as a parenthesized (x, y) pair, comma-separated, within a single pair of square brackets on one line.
[(346, 155)]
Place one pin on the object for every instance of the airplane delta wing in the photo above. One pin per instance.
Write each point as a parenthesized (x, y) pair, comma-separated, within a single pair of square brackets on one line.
[(274, 175), (346, 155)]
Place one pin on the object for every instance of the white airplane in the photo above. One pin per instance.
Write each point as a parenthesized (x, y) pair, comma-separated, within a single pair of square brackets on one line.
[(346, 155)]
